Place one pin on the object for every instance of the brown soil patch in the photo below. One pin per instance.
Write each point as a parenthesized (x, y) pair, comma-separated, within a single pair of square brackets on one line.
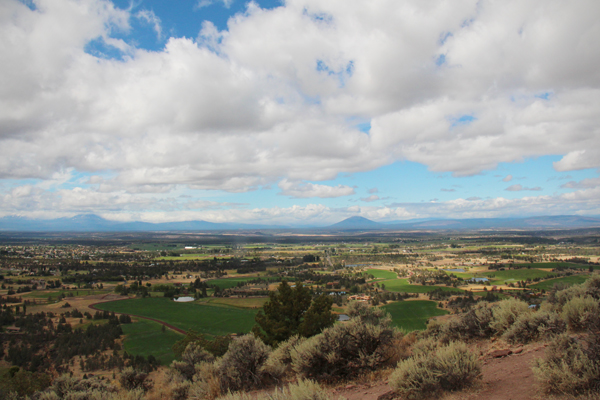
[(510, 377), (82, 304), (365, 391)]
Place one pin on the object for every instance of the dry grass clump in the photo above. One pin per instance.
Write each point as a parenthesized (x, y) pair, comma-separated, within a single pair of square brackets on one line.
[(68, 388), (303, 390), (434, 369)]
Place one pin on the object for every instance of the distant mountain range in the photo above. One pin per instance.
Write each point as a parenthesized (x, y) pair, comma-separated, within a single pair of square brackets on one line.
[(94, 223), (543, 222)]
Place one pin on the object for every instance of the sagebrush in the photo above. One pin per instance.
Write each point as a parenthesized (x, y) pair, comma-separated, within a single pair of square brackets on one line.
[(435, 369), (570, 366), (344, 350)]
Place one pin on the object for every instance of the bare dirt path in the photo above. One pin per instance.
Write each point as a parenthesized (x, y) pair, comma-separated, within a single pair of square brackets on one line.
[(510, 378)]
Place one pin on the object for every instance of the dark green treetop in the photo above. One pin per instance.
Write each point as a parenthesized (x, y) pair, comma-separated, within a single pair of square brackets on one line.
[(291, 311)]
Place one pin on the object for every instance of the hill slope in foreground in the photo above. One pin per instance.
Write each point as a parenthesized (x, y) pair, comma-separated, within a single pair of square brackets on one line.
[(502, 378)]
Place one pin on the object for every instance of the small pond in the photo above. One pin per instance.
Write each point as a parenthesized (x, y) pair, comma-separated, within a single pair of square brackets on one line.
[(479, 279), (184, 299)]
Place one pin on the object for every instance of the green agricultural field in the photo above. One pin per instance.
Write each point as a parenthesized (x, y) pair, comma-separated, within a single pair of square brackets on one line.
[(402, 285), (514, 275), (146, 338), (569, 280), (203, 318), (413, 315), (382, 274)]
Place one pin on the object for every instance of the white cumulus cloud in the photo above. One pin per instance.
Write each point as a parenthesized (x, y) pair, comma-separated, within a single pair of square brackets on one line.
[(457, 86), (306, 190)]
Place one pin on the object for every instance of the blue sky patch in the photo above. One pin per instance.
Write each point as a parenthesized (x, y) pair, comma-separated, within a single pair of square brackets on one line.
[(544, 96), (440, 60), (100, 49), (364, 127), (463, 120), (444, 37)]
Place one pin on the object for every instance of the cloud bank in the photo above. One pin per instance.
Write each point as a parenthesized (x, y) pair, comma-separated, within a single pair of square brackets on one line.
[(457, 86)]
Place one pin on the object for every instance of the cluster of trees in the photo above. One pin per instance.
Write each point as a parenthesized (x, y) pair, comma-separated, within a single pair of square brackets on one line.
[(43, 344), (345, 281), (441, 294), (197, 288), (117, 271), (384, 297), (460, 304), (435, 277), (10, 299)]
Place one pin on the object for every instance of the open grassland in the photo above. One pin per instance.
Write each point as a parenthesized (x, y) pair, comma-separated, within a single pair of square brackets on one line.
[(514, 275), (382, 274), (146, 338), (413, 315), (569, 280), (402, 285), (203, 318)]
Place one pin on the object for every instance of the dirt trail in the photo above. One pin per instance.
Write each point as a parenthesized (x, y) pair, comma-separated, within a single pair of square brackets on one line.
[(510, 378)]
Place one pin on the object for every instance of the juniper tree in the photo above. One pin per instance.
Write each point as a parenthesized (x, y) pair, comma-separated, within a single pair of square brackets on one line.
[(289, 312)]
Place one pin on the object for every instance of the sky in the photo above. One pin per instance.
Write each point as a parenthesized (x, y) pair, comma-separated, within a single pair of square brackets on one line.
[(299, 112)]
